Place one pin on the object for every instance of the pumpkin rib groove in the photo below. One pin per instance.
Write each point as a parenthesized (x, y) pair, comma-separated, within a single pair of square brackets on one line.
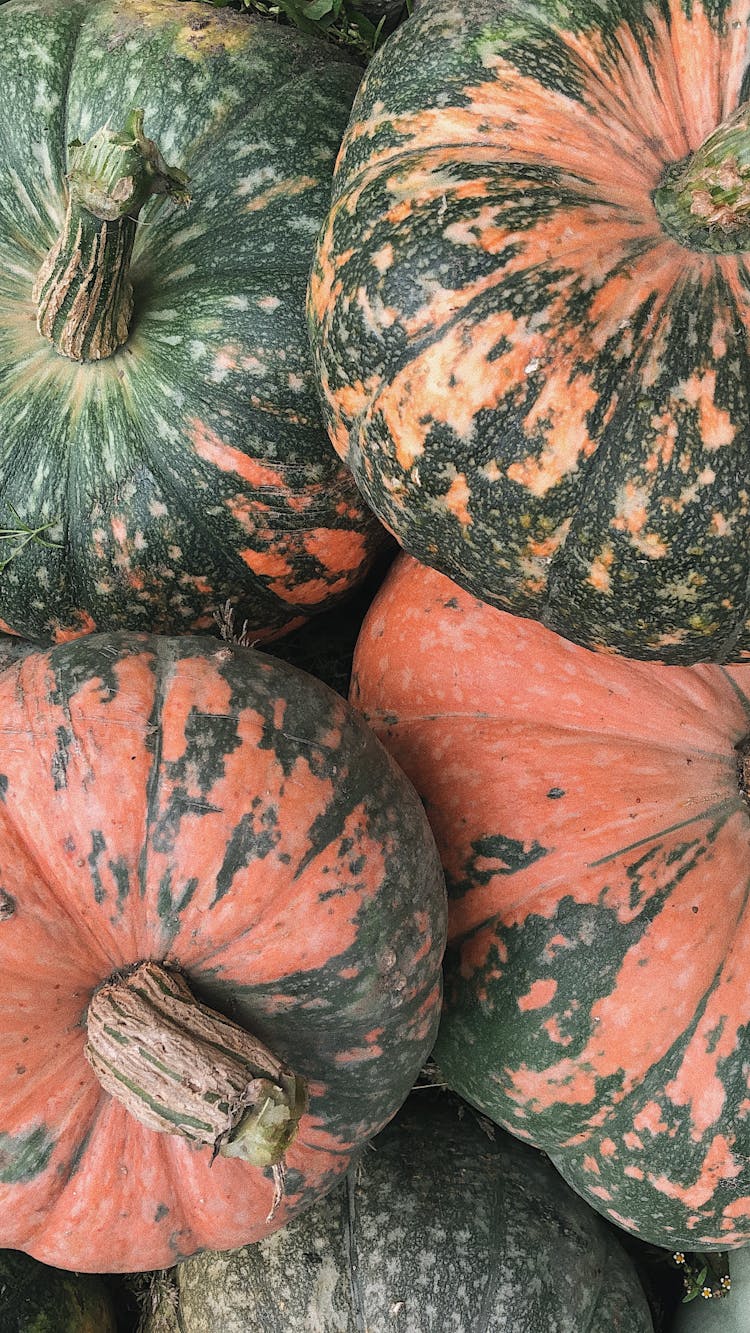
[(262, 109), (500, 1228), (496, 920), (163, 662), (743, 697), (604, 737), (589, 469), (82, 576), (61, 902), (743, 352), (600, 1287), (175, 483), (350, 1240), (668, 1062), (727, 808), (66, 87), (67, 1170)]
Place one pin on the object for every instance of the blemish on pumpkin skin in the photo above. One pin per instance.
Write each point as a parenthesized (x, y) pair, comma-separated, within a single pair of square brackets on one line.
[(600, 1192), (737, 1208), (552, 1028), (715, 423), (541, 993), (382, 259), (336, 549), (650, 1118), (83, 623), (719, 1164), (209, 446), (599, 572), (285, 189), (456, 499)]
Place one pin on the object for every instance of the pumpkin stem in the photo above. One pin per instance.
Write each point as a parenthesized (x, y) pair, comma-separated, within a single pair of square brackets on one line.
[(83, 291), (181, 1068), (704, 200)]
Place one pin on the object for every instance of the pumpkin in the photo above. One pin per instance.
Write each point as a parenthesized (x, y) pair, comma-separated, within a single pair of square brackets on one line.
[(38, 1299), (530, 313), (439, 1227), (222, 919), (592, 818), (162, 178)]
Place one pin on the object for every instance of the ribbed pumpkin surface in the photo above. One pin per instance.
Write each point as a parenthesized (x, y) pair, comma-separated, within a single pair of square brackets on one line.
[(593, 826), (191, 466), (206, 807), (539, 390), (438, 1229)]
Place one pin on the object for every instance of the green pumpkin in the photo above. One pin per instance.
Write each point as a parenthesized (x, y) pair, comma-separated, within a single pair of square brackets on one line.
[(162, 178), (440, 1227), (37, 1299)]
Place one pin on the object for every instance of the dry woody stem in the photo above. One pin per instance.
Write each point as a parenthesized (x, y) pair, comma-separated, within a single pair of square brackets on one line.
[(181, 1068), (83, 291)]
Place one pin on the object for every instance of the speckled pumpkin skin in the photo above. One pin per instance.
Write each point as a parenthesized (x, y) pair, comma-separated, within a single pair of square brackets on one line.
[(438, 1229), (595, 841), (539, 391), (192, 466), (220, 811)]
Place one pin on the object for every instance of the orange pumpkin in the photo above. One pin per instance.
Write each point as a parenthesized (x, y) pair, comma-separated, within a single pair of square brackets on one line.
[(222, 919), (592, 816), (530, 314)]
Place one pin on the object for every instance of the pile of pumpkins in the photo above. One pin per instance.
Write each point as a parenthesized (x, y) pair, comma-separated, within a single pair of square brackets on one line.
[(259, 317)]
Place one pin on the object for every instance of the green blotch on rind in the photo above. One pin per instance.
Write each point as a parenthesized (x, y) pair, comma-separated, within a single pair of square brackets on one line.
[(25, 1156)]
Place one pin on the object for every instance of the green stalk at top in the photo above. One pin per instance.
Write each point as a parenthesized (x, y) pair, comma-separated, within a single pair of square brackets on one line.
[(83, 290), (704, 200)]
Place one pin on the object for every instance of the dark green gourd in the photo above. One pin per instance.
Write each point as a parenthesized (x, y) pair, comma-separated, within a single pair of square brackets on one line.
[(162, 179), (440, 1229)]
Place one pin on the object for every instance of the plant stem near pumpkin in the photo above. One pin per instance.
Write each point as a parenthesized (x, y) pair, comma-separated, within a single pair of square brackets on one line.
[(704, 200), (23, 534), (83, 290), (180, 1068)]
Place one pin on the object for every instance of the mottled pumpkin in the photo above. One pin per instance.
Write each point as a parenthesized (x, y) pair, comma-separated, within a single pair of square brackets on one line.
[(162, 447), (181, 814), (592, 816), (530, 312), (441, 1226)]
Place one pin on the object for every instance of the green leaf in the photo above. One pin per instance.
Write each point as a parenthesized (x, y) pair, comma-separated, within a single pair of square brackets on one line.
[(317, 8)]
